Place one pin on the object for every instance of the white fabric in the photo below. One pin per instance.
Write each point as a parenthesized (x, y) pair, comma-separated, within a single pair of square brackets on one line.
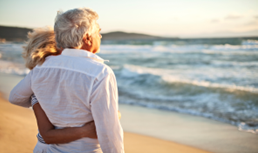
[(74, 88), (40, 148)]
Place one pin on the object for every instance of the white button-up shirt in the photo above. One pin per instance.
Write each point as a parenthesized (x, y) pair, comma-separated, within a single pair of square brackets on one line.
[(74, 88)]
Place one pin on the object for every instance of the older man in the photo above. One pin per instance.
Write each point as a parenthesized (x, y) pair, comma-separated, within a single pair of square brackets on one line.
[(76, 87)]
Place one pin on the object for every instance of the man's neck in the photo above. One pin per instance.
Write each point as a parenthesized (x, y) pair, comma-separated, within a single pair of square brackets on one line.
[(81, 48)]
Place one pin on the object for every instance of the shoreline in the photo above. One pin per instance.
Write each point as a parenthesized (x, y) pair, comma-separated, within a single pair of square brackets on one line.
[(194, 131), (18, 131)]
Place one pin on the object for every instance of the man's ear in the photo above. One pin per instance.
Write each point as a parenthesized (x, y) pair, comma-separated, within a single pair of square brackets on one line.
[(87, 40)]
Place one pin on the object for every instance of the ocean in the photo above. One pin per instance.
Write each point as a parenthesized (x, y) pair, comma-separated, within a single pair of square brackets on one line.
[(213, 78)]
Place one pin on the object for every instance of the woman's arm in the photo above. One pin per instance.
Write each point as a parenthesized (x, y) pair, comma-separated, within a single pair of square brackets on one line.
[(20, 94), (53, 136)]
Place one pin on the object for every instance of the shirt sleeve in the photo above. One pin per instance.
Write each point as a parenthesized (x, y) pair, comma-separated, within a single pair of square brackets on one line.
[(34, 100), (104, 108), (20, 94)]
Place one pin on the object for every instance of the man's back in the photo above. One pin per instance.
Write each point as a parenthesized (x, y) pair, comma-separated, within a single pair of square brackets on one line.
[(73, 89)]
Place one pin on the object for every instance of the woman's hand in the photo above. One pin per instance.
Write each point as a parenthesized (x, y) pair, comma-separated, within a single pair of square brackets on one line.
[(89, 129)]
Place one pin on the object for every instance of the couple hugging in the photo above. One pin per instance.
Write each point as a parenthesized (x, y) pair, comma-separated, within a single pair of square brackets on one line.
[(72, 92)]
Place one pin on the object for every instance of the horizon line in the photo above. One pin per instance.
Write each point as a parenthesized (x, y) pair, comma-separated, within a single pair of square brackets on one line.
[(179, 37)]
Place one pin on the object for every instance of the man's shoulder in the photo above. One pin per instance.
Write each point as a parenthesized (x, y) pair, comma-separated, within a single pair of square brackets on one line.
[(78, 64), (105, 71)]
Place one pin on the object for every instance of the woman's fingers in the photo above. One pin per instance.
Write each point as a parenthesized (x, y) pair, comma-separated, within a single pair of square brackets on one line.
[(90, 130)]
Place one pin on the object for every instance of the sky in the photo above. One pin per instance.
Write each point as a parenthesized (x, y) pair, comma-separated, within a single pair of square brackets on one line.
[(171, 18)]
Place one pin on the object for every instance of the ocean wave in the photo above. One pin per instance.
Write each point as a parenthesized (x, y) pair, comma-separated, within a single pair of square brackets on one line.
[(170, 77), (200, 48), (232, 63), (13, 68), (177, 49), (221, 116), (248, 127), (228, 47), (106, 49), (11, 47), (250, 42), (232, 52), (158, 88), (208, 84)]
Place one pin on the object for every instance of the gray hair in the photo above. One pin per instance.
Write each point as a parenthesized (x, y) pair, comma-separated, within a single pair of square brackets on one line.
[(71, 26)]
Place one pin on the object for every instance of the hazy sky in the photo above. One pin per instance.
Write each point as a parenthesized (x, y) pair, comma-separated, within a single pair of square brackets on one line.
[(183, 18)]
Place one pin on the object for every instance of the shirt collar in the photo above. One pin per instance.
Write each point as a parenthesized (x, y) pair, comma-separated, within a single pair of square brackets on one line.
[(82, 53)]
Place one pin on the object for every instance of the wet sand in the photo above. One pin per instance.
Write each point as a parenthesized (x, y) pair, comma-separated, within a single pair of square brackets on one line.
[(195, 131)]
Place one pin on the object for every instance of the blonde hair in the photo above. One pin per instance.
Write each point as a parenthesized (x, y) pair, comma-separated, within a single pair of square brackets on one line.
[(71, 26), (41, 43)]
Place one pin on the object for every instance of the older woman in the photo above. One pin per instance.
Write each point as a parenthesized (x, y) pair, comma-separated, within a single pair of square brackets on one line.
[(76, 87)]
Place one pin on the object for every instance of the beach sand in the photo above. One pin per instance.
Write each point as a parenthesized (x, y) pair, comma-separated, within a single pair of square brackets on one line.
[(18, 131), (18, 128)]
